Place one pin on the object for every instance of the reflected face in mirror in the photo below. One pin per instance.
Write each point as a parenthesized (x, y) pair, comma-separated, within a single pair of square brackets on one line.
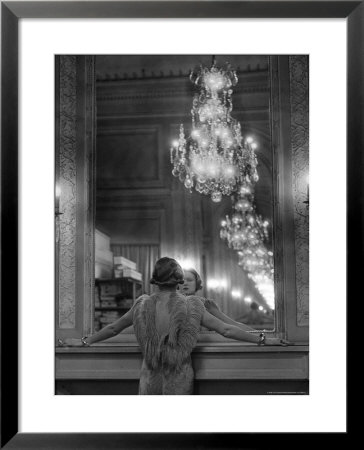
[(189, 286)]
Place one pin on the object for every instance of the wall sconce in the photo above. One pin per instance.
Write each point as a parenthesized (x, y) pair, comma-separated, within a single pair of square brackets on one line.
[(186, 263), (58, 196), (216, 284), (236, 294), (57, 212), (307, 202)]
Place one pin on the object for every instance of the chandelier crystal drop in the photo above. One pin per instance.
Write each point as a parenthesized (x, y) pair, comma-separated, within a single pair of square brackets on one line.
[(214, 158)]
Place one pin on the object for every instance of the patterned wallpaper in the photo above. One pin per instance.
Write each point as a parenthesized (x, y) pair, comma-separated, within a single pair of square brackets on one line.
[(298, 66), (67, 180)]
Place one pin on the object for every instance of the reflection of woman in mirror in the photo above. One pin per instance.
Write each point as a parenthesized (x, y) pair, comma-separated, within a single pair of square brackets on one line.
[(167, 325), (193, 284)]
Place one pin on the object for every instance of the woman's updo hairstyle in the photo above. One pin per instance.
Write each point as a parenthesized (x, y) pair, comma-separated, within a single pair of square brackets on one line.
[(199, 284), (167, 272)]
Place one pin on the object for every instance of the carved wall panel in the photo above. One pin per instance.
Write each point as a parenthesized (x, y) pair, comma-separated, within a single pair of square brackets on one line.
[(67, 181), (129, 157), (75, 154), (89, 143), (289, 127), (279, 266), (298, 66), (116, 67), (167, 97), (126, 227)]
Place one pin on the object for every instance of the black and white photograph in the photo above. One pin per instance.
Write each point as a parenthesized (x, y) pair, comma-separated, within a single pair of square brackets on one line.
[(181, 224), (181, 196)]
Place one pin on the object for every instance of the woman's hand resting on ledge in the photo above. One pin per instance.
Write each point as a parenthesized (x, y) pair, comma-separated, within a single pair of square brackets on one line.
[(70, 342)]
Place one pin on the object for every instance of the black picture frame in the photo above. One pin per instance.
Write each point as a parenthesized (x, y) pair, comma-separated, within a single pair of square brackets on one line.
[(11, 12)]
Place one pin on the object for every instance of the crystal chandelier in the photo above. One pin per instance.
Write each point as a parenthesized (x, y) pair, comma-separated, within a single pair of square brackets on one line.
[(245, 229), (247, 233), (215, 158)]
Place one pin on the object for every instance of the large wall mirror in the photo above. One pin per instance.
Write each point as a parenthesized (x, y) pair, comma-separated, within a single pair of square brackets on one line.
[(147, 206), (127, 191)]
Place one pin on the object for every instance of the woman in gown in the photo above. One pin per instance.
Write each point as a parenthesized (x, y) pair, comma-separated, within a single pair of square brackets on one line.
[(167, 325)]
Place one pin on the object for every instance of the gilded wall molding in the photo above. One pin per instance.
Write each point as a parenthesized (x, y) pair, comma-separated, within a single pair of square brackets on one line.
[(68, 187), (90, 193), (150, 75), (298, 67), (138, 90), (167, 93), (279, 286)]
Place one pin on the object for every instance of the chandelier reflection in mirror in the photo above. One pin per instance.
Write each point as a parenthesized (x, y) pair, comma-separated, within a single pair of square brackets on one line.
[(215, 158), (247, 233)]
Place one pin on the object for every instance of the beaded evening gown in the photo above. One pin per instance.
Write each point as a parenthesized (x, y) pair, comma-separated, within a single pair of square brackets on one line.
[(167, 367)]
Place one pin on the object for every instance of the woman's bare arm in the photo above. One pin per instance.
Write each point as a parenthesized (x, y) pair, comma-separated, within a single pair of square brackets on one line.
[(232, 332), (213, 309), (113, 329), (107, 332), (227, 330)]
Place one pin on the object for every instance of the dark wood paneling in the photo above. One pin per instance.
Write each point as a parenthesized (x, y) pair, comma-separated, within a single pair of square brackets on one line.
[(133, 230), (205, 387), (139, 225), (130, 157), (249, 387), (225, 360)]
